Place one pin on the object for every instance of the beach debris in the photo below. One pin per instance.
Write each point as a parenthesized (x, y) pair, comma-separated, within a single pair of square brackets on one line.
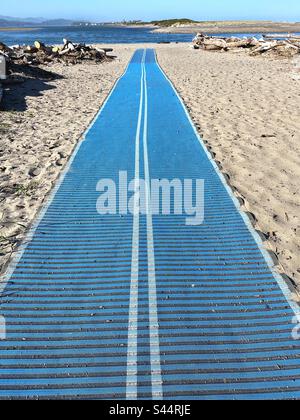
[(215, 43), (5, 50), (41, 54), (279, 48), (282, 48)]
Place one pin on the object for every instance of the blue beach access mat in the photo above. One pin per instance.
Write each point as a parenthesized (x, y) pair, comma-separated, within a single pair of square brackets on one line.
[(144, 306)]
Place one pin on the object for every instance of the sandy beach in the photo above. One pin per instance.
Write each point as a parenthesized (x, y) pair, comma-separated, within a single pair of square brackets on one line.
[(219, 27), (246, 109)]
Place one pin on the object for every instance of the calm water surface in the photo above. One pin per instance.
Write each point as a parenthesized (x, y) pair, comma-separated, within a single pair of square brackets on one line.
[(90, 35), (100, 34)]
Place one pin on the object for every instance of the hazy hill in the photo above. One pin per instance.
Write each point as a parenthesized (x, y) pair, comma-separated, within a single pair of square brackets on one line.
[(7, 21), (22, 20)]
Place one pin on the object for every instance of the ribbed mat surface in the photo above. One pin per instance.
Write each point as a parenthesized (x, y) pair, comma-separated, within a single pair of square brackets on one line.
[(116, 307)]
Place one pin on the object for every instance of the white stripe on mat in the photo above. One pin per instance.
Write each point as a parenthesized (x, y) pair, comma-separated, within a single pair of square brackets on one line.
[(131, 384), (156, 376)]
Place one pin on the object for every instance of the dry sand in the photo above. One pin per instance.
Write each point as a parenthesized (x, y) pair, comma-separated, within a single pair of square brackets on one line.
[(246, 108)]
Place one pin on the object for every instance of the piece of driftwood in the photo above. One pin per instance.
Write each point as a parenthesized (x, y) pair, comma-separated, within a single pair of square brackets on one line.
[(279, 48), (214, 44), (263, 47), (243, 43)]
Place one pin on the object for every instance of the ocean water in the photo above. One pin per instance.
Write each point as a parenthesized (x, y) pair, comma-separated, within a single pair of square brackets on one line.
[(100, 34), (91, 35)]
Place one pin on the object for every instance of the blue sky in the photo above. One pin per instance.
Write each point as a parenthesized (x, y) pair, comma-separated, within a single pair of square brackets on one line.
[(108, 10)]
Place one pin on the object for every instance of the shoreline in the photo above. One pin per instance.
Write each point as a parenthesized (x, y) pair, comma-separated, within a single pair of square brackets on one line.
[(219, 28), (18, 29), (245, 109)]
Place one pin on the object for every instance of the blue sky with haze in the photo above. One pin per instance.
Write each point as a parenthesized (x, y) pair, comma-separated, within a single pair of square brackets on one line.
[(103, 10)]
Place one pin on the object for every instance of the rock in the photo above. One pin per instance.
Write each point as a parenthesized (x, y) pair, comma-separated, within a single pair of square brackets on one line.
[(35, 172), (9, 229), (62, 154), (60, 162), (54, 146)]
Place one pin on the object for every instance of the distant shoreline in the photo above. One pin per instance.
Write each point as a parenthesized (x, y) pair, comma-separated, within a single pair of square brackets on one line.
[(18, 29), (213, 27), (231, 27), (131, 26)]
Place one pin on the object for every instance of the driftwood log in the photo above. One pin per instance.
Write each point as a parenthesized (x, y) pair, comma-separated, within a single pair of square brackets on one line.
[(284, 48), (280, 48), (214, 44)]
